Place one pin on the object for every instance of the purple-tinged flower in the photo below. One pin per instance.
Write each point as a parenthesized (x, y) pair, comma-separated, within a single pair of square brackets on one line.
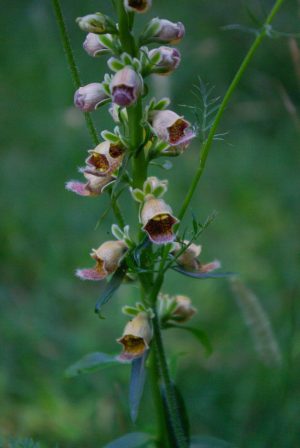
[(189, 259), (126, 87), (105, 158), (88, 98), (167, 32), (108, 257), (158, 220), (93, 46), (172, 128), (138, 6), (184, 310), (93, 187), (96, 23), (169, 60), (136, 337)]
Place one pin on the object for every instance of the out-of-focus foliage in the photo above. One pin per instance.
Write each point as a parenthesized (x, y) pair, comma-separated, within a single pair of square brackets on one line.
[(47, 318)]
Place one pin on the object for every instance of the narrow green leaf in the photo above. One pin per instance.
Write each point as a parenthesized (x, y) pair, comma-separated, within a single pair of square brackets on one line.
[(209, 442), (111, 287), (199, 334), (137, 382), (202, 275), (91, 363), (131, 440)]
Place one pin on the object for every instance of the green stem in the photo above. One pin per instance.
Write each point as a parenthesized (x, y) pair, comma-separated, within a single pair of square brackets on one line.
[(72, 64), (179, 438), (162, 436), (126, 37), (208, 143)]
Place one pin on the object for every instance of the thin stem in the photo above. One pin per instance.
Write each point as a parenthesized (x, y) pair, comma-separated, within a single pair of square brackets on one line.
[(208, 143), (72, 64)]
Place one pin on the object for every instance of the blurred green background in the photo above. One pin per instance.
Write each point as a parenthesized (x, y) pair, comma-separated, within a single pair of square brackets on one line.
[(252, 181)]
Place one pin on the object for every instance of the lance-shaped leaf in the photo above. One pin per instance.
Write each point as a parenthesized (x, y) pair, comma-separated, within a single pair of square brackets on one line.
[(137, 382), (209, 442), (132, 440), (91, 363), (202, 275), (111, 287), (199, 334)]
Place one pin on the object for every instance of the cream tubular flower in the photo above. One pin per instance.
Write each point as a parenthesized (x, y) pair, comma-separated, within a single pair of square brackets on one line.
[(169, 60), (93, 46), (184, 310), (189, 259), (105, 158), (169, 32), (158, 220), (88, 98), (108, 257), (172, 128), (136, 337), (126, 87), (93, 187), (138, 6)]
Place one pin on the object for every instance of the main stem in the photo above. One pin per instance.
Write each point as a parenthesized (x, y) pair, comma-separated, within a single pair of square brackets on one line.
[(208, 143), (159, 367)]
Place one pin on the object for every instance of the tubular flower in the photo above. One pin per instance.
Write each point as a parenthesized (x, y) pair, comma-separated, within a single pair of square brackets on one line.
[(88, 98), (189, 259), (93, 187), (137, 5), (96, 23), (172, 128), (157, 220), (169, 32), (136, 337), (93, 46), (108, 257), (184, 310), (125, 87), (169, 60), (104, 159)]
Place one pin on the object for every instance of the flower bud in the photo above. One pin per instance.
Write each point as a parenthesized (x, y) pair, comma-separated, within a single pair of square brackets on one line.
[(96, 23), (138, 6), (136, 337), (158, 221), (93, 46), (169, 60), (172, 128), (125, 87), (189, 259), (105, 158), (108, 257), (184, 310), (166, 31), (88, 98), (93, 187)]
